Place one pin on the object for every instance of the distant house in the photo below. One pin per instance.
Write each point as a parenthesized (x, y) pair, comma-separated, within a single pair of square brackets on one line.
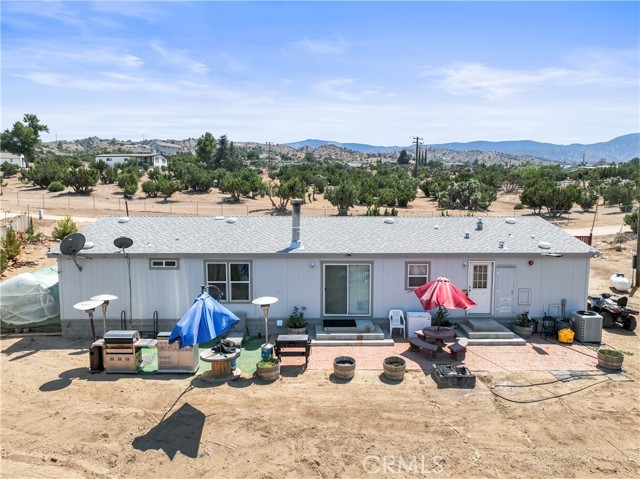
[(168, 149), (15, 159), (152, 159), (333, 267)]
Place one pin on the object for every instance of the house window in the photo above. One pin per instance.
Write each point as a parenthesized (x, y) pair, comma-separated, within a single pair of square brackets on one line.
[(232, 279), (347, 289), (164, 264), (417, 274)]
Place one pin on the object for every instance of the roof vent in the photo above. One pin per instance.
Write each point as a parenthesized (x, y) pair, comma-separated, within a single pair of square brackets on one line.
[(510, 221), (389, 221), (501, 244), (232, 220), (479, 225), (466, 235), (124, 219), (544, 245), (218, 218)]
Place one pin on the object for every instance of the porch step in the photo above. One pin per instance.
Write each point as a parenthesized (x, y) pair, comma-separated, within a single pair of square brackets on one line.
[(376, 337), (487, 332)]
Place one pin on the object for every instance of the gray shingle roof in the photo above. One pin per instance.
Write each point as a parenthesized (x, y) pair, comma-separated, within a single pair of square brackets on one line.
[(259, 235)]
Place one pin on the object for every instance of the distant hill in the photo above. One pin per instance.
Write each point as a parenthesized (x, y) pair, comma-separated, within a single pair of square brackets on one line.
[(622, 148)]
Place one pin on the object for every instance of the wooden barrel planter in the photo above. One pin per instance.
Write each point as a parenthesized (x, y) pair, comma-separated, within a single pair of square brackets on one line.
[(268, 370), (394, 368), (344, 367), (610, 359)]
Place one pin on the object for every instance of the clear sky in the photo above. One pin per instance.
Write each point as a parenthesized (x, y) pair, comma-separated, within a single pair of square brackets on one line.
[(365, 72)]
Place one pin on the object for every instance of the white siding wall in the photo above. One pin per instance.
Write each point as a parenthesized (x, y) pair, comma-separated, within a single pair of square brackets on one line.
[(294, 282)]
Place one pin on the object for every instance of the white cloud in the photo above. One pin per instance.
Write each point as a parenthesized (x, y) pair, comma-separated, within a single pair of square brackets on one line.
[(178, 58), (344, 89), (321, 47)]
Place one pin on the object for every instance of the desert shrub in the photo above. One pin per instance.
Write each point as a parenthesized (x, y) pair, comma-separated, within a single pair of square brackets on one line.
[(620, 238), (55, 187), (9, 169), (11, 245), (63, 228), (518, 206), (632, 220)]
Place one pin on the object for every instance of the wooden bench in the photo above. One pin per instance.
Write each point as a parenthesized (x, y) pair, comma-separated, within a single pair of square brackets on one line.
[(418, 343), (458, 349)]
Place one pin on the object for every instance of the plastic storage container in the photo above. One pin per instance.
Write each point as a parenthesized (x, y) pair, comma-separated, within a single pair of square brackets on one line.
[(565, 336)]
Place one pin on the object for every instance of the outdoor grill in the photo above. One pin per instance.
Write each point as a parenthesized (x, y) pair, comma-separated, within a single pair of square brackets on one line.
[(120, 352)]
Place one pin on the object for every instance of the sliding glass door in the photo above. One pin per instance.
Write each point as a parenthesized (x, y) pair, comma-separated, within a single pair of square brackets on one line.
[(347, 289)]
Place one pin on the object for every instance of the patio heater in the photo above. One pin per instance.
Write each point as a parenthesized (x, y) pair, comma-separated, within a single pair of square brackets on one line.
[(265, 302), (105, 298), (89, 307)]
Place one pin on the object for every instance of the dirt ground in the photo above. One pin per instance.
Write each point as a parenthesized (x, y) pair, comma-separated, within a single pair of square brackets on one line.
[(59, 421)]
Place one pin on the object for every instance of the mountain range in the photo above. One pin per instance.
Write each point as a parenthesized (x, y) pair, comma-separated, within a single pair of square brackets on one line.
[(622, 148)]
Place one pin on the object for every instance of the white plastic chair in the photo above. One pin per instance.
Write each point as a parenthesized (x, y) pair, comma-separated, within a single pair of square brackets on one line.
[(396, 320)]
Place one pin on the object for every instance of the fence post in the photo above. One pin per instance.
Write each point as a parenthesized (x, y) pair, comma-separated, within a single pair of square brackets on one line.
[(197, 213)]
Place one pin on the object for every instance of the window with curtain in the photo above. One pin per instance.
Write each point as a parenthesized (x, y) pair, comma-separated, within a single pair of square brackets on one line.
[(347, 289), (417, 274)]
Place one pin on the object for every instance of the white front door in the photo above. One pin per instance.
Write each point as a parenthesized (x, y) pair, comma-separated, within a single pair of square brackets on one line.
[(505, 287), (481, 286)]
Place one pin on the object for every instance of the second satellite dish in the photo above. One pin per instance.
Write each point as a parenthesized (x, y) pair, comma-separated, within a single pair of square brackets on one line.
[(123, 242)]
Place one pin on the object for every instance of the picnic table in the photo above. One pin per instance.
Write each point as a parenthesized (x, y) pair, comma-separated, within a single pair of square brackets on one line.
[(439, 335)]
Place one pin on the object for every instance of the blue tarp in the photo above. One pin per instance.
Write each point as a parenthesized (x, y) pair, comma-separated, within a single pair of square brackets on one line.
[(205, 320)]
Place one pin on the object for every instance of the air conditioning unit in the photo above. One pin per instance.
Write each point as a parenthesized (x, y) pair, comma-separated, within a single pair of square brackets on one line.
[(587, 326)]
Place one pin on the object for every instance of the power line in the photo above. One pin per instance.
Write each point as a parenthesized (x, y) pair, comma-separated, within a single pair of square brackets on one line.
[(417, 139)]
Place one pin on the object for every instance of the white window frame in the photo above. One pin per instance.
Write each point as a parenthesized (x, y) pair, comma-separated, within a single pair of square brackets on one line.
[(228, 282), (161, 263), (408, 275)]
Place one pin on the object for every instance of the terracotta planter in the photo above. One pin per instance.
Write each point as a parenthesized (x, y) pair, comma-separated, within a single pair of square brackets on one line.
[(394, 368), (344, 367), (269, 373), (612, 363)]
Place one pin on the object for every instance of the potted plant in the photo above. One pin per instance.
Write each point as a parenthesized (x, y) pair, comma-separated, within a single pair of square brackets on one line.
[(441, 318), (344, 367), (523, 325), (394, 368), (610, 359), (268, 369), (295, 323)]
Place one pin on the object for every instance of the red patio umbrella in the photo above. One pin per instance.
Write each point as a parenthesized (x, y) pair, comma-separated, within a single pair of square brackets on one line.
[(442, 292)]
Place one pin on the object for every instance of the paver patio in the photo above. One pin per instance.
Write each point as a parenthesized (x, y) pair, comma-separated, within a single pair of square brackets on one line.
[(538, 354)]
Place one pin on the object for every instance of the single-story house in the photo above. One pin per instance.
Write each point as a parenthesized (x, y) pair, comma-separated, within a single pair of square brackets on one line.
[(330, 267), (153, 159), (16, 159)]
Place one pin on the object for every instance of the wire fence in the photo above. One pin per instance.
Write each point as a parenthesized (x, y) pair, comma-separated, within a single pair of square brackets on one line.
[(72, 204)]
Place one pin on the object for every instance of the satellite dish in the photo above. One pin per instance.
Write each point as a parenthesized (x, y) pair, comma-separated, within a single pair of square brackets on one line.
[(72, 244), (123, 242)]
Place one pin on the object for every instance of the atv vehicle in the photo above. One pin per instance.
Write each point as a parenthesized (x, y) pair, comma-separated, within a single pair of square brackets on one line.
[(613, 311)]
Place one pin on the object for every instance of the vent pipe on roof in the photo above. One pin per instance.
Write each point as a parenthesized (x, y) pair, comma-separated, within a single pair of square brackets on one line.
[(295, 230), (479, 225)]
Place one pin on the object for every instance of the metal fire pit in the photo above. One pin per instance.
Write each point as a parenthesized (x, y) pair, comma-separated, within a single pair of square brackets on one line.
[(448, 376)]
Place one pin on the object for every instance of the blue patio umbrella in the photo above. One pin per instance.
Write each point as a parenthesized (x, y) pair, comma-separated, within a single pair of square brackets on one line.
[(205, 320)]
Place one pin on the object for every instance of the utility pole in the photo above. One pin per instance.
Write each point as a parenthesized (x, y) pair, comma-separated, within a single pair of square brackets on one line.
[(269, 157), (417, 139)]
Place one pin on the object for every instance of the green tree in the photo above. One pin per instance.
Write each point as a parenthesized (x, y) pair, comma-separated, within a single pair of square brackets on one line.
[(167, 186), (9, 169), (343, 196), (403, 157), (150, 188), (24, 137), (285, 191), (45, 171), (63, 228), (206, 150), (11, 245), (128, 182), (82, 180), (632, 220)]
